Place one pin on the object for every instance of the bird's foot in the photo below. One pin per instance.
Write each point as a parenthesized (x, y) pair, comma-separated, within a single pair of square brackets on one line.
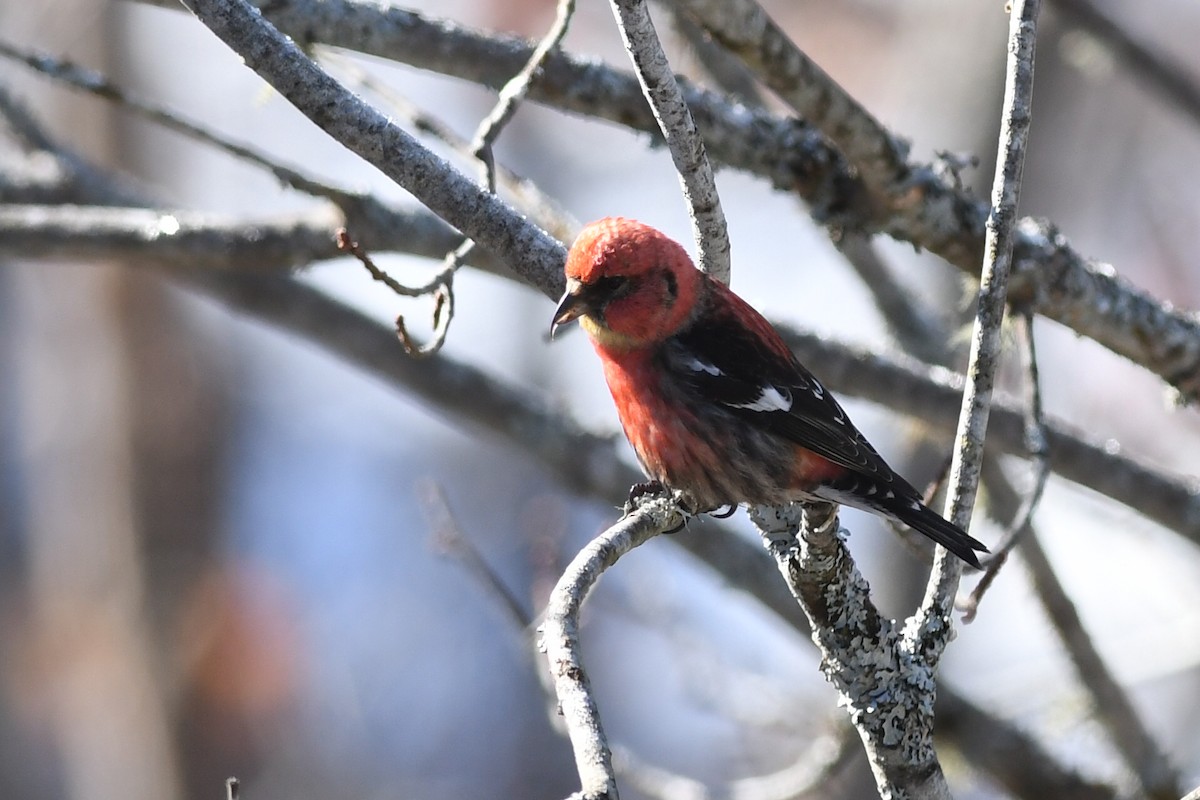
[(653, 490), (640, 490)]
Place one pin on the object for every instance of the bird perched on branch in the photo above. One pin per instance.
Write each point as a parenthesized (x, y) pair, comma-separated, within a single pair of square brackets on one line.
[(714, 403)]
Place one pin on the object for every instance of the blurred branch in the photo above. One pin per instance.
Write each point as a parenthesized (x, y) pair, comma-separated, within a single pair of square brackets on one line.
[(179, 240), (679, 129), (808, 777), (560, 639), (1010, 756), (448, 537), (1158, 73), (1111, 704)]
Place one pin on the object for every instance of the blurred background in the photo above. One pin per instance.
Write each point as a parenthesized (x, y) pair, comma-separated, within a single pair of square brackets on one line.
[(215, 559)]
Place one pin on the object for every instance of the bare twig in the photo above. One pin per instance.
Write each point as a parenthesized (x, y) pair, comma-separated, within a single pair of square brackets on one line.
[(481, 148), (1036, 444), (683, 139), (449, 538), (440, 287), (543, 208), (560, 639), (932, 621)]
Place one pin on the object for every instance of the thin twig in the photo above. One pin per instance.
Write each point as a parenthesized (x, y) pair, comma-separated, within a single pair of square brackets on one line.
[(440, 287), (932, 621), (543, 208), (560, 639), (449, 538), (1039, 452), (515, 91), (683, 138)]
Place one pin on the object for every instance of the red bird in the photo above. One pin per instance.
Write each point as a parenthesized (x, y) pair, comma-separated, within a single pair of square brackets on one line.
[(714, 403)]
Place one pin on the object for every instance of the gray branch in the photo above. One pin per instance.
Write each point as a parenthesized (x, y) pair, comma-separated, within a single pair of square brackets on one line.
[(679, 129), (885, 685), (560, 640), (933, 620)]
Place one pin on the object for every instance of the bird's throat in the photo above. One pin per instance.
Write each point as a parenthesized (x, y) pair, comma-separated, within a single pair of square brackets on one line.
[(605, 336)]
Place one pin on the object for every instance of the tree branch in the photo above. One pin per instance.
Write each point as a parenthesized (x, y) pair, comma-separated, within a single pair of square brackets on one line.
[(560, 640), (679, 129), (933, 619)]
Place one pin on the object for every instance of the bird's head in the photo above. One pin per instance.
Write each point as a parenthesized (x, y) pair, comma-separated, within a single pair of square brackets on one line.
[(628, 284)]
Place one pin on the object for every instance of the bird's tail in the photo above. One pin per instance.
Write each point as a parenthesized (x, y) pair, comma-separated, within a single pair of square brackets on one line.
[(928, 522)]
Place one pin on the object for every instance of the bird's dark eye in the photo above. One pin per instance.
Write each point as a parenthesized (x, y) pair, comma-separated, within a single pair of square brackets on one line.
[(672, 285), (610, 286)]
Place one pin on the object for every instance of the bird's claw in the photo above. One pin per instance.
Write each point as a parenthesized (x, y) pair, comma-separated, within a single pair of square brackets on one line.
[(640, 490), (724, 512), (656, 489)]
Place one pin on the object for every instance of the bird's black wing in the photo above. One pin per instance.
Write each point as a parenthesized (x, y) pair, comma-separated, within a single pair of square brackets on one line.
[(742, 364)]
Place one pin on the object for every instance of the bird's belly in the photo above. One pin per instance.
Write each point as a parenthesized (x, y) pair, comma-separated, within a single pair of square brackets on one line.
[(710, 456)]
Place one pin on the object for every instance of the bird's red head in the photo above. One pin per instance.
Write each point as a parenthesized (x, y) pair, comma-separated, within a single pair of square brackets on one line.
[(628, 284)]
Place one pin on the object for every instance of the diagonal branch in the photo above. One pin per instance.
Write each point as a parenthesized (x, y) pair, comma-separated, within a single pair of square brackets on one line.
[(679, 129), (479, 214)]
